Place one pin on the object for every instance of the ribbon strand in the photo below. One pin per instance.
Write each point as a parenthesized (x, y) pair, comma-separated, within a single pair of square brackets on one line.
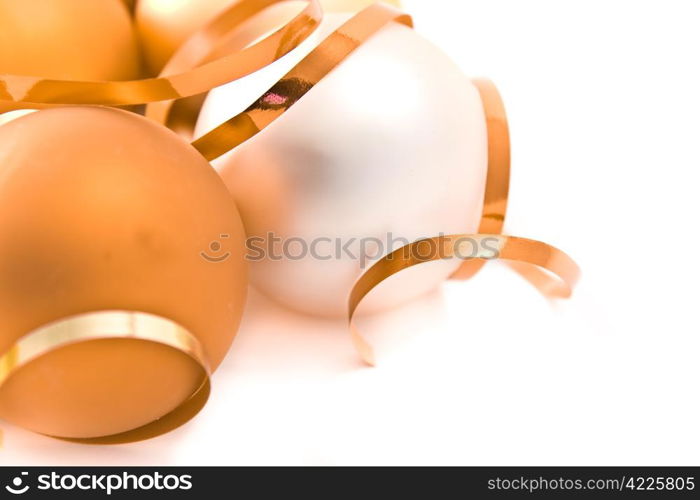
[(482, 247), (493, 214), (300, 80)]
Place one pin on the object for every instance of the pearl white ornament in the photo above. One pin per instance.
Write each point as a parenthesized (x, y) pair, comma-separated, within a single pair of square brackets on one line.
[(393, 141)]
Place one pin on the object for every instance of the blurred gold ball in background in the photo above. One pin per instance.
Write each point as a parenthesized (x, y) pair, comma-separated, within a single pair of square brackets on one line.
[(67, 39)]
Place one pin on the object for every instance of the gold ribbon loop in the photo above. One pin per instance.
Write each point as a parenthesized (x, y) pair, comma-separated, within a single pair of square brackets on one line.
[(484, 247)]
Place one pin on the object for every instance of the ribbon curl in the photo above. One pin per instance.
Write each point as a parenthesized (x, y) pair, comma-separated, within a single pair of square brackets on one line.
[(479, 248)]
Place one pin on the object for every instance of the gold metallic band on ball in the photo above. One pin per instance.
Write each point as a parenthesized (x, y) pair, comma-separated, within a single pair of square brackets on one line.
[(115, 325), (534, 257), (201, 78)]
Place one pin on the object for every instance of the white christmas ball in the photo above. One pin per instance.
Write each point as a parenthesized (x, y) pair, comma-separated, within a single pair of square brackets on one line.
[(390, 147)]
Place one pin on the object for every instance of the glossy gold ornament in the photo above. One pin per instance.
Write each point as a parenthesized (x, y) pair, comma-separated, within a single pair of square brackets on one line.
[(122, 272)]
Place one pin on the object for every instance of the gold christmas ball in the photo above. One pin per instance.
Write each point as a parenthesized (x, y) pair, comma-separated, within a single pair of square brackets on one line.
[(67, 39), (104, 210)]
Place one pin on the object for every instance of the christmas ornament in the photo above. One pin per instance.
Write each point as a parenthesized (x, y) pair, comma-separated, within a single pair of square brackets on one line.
[(67, 39), (122, 273), (364, 164), (546, 267)]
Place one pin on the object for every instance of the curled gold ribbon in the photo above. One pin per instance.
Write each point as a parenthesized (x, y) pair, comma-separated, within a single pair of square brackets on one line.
[(549, 269), (28, 90), (525, 252), (115, 325)]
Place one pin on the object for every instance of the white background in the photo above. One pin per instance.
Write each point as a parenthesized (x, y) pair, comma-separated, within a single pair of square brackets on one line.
[(603, 101)]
